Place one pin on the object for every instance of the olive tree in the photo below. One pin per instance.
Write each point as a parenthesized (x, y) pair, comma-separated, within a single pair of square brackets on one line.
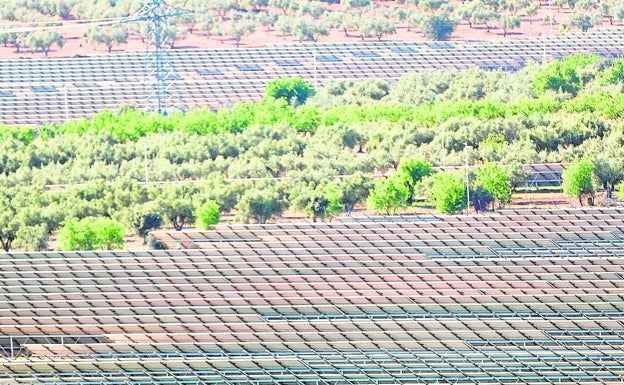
[(495, 181), (448, 193), (578, 180), (388, 195)]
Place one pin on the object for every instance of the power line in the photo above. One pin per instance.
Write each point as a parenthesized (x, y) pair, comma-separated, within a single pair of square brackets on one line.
[(55, 25)]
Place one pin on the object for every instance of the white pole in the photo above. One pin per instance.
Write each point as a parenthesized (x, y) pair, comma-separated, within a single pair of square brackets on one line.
[(146, 172), (467, 179)]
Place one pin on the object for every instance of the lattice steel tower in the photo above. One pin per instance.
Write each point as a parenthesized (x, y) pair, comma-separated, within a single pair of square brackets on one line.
[(159, 91)]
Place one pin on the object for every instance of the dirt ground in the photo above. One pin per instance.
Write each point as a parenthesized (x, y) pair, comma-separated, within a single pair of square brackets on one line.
[(76, 45)]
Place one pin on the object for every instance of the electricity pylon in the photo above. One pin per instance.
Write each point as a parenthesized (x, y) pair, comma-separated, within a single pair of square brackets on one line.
[(159, 92)]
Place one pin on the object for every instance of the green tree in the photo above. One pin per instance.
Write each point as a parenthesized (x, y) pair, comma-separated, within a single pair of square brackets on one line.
[(613, 74), (207, 215), (284, 5), (620, 191), (509, 22), (388, 195), (176, 205), (531, 11), (582, 20), (178, 211), (495, 181), (562, 75), (261, 205), (221, 7), (33, 238), (239, 28), (294, 90), (91, 233), (107, 36), (20, 209), (360, 5), (411, 171), (317, 200), (9, 224), (145, 220), (578, 180), (354, 190), (438, 26), (448, 193), (307, 28)]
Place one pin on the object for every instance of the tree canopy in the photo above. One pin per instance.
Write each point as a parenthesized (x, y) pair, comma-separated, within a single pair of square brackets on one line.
[(578, 180), (349, 145)]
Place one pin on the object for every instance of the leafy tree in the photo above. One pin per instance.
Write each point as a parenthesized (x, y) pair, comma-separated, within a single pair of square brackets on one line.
[(480, 197), (562, 74), (317, 201), (613, 74), (582, 20), (357, 4), (531, 11), (285, 24), (578, 180), (509, 22), (431, 5), (257, 5), (91, 233), (495, 182), (221, 7), (238, 29), (480, 12), (20, 208), (9, 224), (411, 171), (307, 28), (33, 237), (207, 215), (42, 40), (438, 26), (448, 193), (354, 190), (107, 36), (379, 27), (261, 205), (178, 211), (388, 195), (620, 190), (176, 205), (294, 90), (268, 20), (144, 221), (284, 5)]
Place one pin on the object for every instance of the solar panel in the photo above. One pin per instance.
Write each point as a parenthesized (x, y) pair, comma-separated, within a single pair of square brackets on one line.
[(364, 54), (402, 50), (288, 63), (327, 58), (43, 89), (248, 67), (209, 72), (439, 45)]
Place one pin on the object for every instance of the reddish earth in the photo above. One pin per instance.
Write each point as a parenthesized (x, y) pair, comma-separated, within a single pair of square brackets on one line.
[(530, 27)]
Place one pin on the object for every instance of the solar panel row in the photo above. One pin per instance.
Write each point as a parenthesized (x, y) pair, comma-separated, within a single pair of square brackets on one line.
[(39, 91), (317, 303)]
